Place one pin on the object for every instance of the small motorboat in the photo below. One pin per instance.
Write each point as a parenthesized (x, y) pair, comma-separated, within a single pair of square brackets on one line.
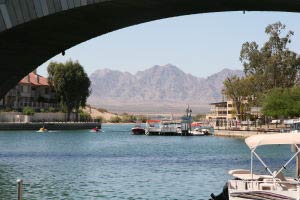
[(95, 130), (138, 130), (42, 130), (197, 132), (199, 128)]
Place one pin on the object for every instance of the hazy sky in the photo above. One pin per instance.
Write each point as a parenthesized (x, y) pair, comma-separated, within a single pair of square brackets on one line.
[(198, 44)]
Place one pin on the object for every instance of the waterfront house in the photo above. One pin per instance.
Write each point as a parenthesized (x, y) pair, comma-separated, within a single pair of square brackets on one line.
[(224, 112), (221, 111), (33, 91)]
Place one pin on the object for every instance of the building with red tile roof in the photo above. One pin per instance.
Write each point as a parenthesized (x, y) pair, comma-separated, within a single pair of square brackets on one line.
[(33, 91), (34, 79)]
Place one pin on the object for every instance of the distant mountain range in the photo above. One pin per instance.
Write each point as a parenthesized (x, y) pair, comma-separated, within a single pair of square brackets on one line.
[(157, 89)]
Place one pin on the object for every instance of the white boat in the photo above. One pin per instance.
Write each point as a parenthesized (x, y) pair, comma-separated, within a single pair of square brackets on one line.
[(197, 132), (199, 129), (153, 127), (272, 186), (170, 127)]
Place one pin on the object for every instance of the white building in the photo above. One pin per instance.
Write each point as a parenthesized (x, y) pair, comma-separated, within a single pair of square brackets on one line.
[(221, 111)]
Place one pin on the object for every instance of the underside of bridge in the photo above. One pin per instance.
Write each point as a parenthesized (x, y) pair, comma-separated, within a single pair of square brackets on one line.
[(27, 42)]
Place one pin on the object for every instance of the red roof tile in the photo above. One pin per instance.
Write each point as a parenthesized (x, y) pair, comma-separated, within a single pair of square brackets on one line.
[(33, 80)]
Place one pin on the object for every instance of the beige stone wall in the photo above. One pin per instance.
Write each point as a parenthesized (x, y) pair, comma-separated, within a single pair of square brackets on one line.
[(37, 117)]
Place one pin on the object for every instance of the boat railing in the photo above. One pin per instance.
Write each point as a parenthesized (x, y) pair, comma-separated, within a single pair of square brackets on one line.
[(264, 184), (154, 129), (169, 129)]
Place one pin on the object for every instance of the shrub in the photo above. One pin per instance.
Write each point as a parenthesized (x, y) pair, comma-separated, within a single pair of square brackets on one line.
[(84, 117), (99, 119), (51, 109), (28, 111), (141, 118), (42, 110), (128, 118), (115, 119), (102, 110)]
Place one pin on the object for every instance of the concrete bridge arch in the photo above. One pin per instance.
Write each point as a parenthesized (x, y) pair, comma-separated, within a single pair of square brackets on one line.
[(33, 31)]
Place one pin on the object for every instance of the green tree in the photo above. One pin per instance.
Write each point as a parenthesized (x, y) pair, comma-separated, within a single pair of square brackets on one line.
[(240, 91), (274, 65), (71, 84), (282, 102)]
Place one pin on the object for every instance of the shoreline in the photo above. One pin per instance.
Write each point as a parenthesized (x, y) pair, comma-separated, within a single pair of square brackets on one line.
[(124, 123), (14, 126), (238, 134)]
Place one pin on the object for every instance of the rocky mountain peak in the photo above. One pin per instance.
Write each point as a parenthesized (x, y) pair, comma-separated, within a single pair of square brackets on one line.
[(165, 83)]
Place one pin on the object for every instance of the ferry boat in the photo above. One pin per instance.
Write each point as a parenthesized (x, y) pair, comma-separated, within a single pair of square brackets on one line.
[(272, 186), (170, 128), (153, 127), (163, 127), (138, 129)]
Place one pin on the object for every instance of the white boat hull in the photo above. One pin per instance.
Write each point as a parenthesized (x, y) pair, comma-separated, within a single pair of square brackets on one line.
[(264, 190), (264, 195), (197, 133)]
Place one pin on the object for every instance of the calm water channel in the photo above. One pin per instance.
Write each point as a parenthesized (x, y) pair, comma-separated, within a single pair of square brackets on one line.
[(117, 165)]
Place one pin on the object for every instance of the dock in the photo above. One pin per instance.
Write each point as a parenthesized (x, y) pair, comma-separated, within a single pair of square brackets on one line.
[(240, 133)]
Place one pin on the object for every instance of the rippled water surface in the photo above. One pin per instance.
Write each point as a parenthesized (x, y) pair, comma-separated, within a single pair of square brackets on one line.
[(117, 165)]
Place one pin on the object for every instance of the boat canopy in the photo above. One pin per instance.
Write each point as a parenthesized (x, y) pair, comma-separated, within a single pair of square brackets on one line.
[(268, 139)]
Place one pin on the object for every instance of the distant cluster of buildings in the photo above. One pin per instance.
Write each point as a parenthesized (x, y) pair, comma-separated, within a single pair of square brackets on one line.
[(33, 91)]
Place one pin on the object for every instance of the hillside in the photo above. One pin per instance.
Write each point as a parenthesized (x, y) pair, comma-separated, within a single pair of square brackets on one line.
[(157, 89)]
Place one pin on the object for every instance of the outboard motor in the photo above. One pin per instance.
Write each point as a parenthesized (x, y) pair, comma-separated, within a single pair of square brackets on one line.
[(223, 195)]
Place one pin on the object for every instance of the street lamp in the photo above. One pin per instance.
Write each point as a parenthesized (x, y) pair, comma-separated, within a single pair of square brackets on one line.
[(189, 117), (188, 111)]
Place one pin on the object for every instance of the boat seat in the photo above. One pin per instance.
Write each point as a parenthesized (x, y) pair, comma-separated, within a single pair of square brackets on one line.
[(239, 171)]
